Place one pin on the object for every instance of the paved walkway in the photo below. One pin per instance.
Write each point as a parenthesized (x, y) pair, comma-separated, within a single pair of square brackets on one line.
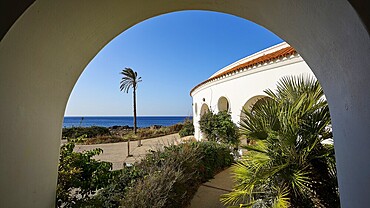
[(208, 194), (116, 153)]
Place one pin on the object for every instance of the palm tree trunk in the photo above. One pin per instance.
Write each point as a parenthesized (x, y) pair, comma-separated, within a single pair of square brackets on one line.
[(135, 120)]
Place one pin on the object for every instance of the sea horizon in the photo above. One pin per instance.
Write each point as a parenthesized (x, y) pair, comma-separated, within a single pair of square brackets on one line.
[(127, 116), (109, 121)]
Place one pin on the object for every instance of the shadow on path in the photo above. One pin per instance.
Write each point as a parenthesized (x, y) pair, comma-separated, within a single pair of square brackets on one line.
[(209, 193)]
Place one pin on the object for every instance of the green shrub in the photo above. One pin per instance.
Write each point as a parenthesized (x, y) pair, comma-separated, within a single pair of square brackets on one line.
[(164, 184), (111, 196), (79, 175), (219, 127), (90, 132), (104, 139), (215, 157), (101, 135), (187, 128), (176, 127), (167, 178), (154, 191)]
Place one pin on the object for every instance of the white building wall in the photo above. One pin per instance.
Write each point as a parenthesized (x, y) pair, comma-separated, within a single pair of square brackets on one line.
[(239, 88)]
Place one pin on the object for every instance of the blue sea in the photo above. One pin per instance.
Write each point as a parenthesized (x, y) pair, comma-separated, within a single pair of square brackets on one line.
[(107, 121)]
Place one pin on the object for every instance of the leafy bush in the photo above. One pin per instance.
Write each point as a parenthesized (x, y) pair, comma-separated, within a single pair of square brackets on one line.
[(93, 131), (176, 127), (79, 175), (154, 191), (103, 139), (187, 128), (215, 157), (165, 182), (146, 133), (167, 178), (101, 135), (111, 195), (219, 127)]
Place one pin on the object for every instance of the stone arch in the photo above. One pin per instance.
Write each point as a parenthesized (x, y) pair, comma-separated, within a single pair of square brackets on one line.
[(223, 104), (57, 51)]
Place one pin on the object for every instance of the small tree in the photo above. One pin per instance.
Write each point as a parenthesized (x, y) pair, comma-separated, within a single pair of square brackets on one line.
[(219, 127), (79, 175)]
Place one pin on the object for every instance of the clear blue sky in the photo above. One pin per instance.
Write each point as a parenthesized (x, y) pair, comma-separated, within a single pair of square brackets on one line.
[(172, 53)]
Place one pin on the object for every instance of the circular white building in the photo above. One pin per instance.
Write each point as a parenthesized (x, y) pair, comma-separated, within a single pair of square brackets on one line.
[(240, 84)]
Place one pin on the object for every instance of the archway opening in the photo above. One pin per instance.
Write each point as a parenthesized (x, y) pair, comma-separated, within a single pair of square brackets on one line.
[(248, 106)]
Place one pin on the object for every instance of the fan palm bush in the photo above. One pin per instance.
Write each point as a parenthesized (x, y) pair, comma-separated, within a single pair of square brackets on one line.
[(287, 164)]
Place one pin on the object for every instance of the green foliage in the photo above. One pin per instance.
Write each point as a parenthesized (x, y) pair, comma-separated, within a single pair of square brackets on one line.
[(112, 194), (90, 132), (215, 157), (103, 139), (287, 165), (166, 178), (102, 135), (187, 128), (219, 127), (79, 175), (156, 190), (177, 127), (146, 133)]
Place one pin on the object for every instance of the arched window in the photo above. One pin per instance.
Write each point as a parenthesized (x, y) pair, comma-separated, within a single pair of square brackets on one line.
[(223, 104), (204, 109)]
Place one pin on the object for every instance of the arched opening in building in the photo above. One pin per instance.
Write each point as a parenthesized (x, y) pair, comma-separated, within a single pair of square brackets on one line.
[(223, 104), (248, 106)]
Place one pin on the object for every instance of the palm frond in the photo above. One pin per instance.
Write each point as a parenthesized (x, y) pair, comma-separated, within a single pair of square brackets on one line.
[(129, 80), (282, 199)]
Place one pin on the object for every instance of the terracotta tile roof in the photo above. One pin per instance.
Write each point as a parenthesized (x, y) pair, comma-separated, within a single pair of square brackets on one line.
[(284, 52)]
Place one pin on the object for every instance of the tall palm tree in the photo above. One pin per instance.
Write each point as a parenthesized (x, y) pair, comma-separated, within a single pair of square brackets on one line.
[(288, 165), (128, 81)]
